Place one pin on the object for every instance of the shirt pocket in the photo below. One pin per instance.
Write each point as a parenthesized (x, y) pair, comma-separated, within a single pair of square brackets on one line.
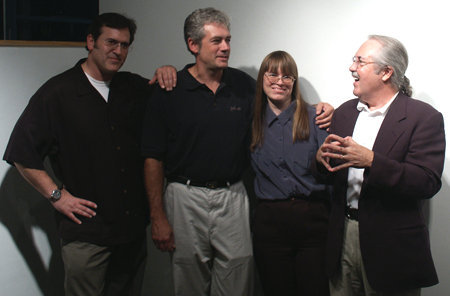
[(302, 162)]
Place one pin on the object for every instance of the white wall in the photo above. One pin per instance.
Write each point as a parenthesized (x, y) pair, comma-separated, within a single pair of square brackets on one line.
[(322, 35)]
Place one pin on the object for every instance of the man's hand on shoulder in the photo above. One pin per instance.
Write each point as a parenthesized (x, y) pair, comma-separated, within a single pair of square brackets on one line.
[(324, 112), (71, 206), (166, 76)]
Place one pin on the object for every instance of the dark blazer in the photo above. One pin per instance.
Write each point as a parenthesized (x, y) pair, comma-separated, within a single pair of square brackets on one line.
[(406, 169)]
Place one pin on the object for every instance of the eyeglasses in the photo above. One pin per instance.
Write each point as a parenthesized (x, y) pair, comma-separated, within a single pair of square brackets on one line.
[(113, 43), (273, 78), (358, 60)]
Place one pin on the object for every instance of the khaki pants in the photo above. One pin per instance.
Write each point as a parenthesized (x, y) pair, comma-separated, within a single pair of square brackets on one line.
[(93, 270), (351, 280), (213, 254)]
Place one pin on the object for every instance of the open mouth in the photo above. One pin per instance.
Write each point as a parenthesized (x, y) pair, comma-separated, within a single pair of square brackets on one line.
[(355, 76)]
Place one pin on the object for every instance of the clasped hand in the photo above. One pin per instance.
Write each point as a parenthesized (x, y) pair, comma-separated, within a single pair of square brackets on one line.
[(346, 151)]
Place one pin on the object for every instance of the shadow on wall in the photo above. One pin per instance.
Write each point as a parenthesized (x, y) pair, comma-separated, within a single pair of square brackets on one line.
[(21, 208), (308, 92), (425, 97), (252, 71)]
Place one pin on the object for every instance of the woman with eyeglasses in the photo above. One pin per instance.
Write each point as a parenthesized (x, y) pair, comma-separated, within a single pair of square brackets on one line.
[(291, 217)]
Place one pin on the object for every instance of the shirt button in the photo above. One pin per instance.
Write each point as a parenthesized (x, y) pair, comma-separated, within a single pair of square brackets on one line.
[(125, 191), (127, 213), (112, 127), (118, 148)]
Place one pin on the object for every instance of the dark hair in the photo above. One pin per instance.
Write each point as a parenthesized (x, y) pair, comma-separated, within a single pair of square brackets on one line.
[(194, 23), (300, 127), (111, 20)]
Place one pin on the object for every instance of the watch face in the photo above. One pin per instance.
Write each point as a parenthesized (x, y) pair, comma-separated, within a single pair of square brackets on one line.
[(56, 195)]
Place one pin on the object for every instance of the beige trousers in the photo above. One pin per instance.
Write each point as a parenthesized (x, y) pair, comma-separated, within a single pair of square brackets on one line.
[(92, 270), (351, 280), (213, 254)]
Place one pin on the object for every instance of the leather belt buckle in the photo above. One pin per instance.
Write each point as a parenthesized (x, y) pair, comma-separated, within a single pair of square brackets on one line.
[(212, 185), (351, 213)]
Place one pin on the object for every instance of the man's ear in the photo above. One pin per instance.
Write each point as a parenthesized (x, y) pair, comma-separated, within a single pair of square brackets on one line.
[(193, 46), (90, 42), (387, 73)]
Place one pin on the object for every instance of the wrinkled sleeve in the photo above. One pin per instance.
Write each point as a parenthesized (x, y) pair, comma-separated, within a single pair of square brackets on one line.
[(419, 174), (154, 134), (32, 139)]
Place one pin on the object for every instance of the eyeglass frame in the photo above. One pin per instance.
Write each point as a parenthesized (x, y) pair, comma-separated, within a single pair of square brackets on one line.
[(359, 63), (113, 44), (280, 77)]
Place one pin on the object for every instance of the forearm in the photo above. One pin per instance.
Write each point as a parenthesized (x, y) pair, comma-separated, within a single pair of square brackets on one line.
[(154, 182), (67, 204), (162, 234), (39, 179)]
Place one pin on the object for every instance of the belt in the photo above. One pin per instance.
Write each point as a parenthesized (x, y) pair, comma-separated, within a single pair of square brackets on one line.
[(313, 198), (213, 184), (351, 213), (290, 198)]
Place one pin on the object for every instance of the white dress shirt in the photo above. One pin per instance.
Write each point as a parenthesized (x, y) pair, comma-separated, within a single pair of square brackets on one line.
[(366, 130)]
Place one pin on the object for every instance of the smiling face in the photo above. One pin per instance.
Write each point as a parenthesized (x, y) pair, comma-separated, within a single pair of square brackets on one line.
[(278, 88), (367, 74), (214, 50), (108, 53)]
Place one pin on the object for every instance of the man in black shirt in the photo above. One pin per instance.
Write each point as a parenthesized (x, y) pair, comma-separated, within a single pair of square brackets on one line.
[(199, 131), (88, 121)]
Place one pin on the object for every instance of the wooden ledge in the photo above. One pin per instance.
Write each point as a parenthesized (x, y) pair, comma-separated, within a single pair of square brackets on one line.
[(42, 43)]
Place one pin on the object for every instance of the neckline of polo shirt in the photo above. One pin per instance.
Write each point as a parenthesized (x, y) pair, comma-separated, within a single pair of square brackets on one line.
[(192, 83)]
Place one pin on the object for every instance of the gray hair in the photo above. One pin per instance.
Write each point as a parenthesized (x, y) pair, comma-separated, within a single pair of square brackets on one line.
[(194, 23), (394, 54)]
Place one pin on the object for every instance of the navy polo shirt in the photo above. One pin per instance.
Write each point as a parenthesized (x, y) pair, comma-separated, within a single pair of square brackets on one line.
[(281, 166), (198, 134)]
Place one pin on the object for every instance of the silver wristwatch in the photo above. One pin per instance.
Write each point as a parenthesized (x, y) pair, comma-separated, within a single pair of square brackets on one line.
[(55, 196)]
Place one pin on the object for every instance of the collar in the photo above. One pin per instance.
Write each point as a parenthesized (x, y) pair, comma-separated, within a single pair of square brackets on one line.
[(191, 83), (381, 111), (284, 116), (84, 87)]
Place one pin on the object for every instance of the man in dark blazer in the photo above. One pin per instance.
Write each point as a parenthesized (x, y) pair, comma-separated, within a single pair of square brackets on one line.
[(384, 155)]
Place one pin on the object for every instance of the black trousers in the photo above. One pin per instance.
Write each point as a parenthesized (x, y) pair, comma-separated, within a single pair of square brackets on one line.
[(289, 247)]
